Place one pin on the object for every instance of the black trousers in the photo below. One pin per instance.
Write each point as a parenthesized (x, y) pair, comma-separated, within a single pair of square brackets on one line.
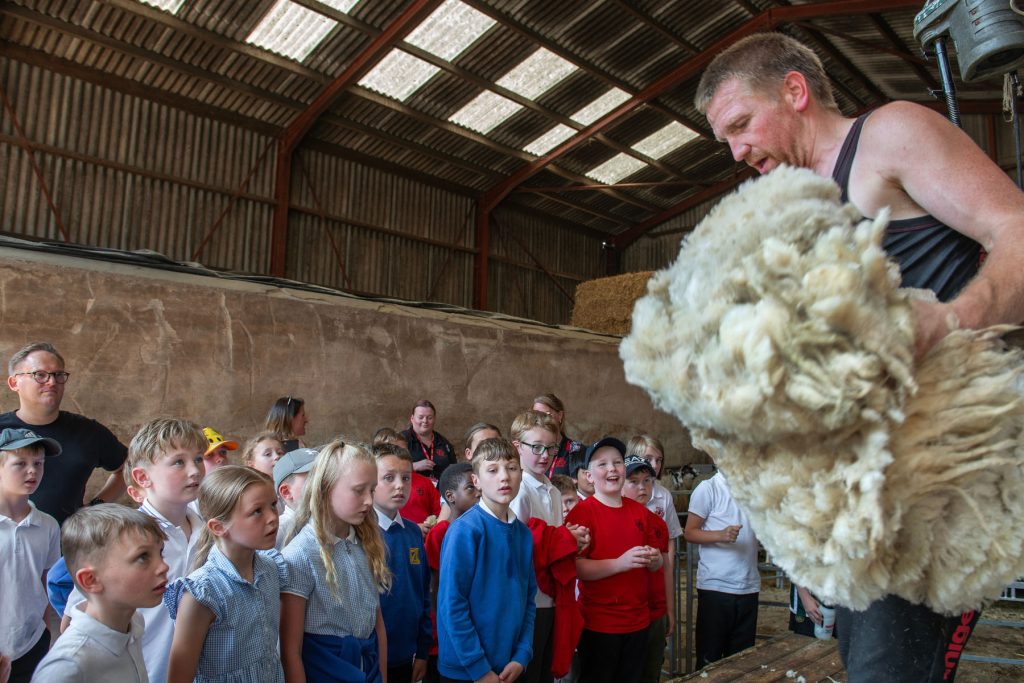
[(23, 667), (899, 642), (400, 674), (611, 657), (433, 675), (539, 669), (726, 624)]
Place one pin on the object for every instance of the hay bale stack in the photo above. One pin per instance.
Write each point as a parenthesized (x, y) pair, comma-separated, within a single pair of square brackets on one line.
[(606, 304)]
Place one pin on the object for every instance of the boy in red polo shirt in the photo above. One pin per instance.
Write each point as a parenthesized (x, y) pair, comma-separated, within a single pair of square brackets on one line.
[(614, 570), (639, 485)]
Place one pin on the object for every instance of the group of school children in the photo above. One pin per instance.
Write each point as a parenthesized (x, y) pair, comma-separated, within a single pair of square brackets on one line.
[(525, 576)]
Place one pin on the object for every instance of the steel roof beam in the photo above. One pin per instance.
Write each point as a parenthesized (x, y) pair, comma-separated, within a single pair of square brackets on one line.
[(624, 239), (764, 21), (894, 40)]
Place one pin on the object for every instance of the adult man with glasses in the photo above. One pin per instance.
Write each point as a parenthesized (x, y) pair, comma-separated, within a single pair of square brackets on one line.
[(37, 375)]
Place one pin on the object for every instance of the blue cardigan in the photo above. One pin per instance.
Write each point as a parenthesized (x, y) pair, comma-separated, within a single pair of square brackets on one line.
[(485, 603), (406, 607)]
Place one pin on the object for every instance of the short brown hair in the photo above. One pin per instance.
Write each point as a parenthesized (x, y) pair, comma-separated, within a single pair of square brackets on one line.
[(533, 419), (25, 351), (386, 435), (159, 435), (563, 483), (762, 62), (90, 531), (387, 450), (424, 403), (490, 450), (551, 401)]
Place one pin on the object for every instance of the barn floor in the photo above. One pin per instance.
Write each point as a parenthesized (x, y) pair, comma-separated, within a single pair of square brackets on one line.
[(992, 641)]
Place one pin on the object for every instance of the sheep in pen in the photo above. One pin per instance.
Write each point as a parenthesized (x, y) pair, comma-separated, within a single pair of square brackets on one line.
[(781, 338)]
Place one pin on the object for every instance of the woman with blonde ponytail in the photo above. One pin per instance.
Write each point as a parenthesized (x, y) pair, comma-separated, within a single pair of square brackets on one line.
[(331, 626), (227, 610)]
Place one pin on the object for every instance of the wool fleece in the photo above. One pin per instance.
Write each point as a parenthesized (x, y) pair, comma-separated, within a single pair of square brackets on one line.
[(782, 339)]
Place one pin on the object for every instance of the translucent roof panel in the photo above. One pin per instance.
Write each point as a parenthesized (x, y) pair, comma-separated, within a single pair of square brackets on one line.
[(294, 31), (398, 75), (451, 28), (601, 106), (171, 6), (616, 168), (671, 137), (547, 142), (486, 111), (536, 74)]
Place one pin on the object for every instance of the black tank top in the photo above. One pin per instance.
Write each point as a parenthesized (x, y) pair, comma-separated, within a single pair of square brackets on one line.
[(930, 254)]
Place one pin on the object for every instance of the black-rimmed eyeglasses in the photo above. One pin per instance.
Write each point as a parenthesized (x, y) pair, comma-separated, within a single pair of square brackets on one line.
[(42, 377), (539, 448)]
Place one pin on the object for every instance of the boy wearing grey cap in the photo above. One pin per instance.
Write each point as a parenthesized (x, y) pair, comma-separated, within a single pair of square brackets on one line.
[(34, 537), (290, 473)]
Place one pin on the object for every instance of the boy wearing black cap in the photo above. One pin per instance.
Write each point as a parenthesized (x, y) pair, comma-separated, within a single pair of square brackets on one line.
[(614, 570), (639, 486), (34, 537)]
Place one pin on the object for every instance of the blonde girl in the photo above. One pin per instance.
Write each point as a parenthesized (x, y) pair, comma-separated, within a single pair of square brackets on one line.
[(262, 451), (331, 626), (227, 610)]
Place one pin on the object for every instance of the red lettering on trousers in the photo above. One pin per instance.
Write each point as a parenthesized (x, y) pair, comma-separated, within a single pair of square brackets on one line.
[(960, 636)]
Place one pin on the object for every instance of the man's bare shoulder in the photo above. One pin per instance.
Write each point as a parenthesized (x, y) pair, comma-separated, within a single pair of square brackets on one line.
[(906, 124)]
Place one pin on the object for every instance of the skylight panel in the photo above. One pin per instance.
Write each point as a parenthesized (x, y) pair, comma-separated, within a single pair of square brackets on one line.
[(545, 143), (486, 111), (671, 137), (450, 29), (616, 168), (536, 74), (294, 31), (171, 6), (601, 106), (398, 75)]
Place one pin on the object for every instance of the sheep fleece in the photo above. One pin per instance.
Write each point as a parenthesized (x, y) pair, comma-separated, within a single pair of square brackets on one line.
[(781, 338)]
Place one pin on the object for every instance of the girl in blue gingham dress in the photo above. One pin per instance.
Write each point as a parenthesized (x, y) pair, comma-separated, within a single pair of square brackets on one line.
[(331, 626), (227, 610)]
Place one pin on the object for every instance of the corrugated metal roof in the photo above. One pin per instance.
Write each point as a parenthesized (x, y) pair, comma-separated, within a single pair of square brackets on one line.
[(200, 56)]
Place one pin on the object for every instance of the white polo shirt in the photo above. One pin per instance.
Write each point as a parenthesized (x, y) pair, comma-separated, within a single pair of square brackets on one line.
[(538, 498), (178, 552), (92, 651), (724, 567), (661, 504), (27, 551)]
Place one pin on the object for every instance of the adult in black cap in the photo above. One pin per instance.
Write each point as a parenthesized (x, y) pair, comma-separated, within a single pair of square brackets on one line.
[(37, 375)]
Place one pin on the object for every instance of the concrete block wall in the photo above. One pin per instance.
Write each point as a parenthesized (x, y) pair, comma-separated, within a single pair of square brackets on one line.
[(142, 343)]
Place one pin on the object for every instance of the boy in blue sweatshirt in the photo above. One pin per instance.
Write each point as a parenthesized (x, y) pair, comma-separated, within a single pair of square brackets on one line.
[(485, 602), (406, 606)]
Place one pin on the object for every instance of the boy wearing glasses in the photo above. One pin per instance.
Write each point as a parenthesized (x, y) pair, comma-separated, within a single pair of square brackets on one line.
[(37, 375), (536, 437)]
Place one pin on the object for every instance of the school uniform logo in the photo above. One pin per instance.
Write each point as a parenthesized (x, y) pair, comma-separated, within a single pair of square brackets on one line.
[(414, 555)]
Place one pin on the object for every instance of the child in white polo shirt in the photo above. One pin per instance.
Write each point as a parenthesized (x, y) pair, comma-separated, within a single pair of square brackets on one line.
[(728, 582), (29, 545), (113, 553), (164, 468)]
